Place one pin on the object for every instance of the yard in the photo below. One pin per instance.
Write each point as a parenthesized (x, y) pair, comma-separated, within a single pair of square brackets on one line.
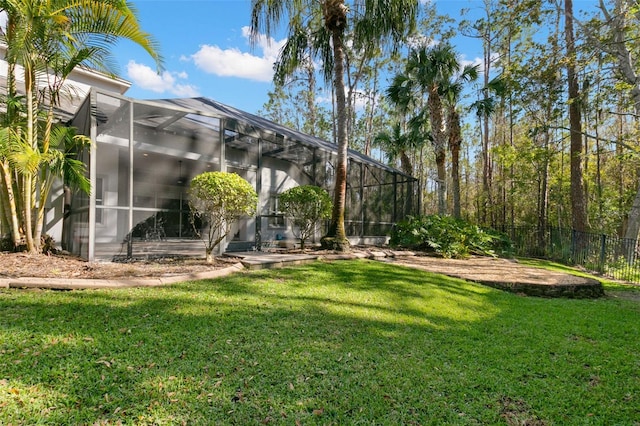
[(347, 342)]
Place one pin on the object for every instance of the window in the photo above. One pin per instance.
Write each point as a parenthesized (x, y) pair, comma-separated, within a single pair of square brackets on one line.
[(276, 218)]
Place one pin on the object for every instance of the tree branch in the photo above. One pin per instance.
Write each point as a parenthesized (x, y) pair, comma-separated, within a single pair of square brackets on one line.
[(616, 142)]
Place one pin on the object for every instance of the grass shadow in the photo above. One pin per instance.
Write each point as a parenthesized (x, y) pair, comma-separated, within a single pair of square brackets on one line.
[(322, 343)]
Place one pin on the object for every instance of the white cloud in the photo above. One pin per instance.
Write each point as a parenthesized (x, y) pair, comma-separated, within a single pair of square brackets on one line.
[(233, 62), (464, 61), (148, 79), (185, 91)]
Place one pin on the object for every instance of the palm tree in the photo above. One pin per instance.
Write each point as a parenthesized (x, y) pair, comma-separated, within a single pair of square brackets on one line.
[(452, 93), (49, 39), (397, 144), (433, 69), (318, 28), (428, 72)]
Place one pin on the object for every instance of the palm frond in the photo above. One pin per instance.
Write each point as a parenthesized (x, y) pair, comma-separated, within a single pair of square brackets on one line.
[(75, 175), (384, 20), (23, 157), (292, 54), (101, 23)]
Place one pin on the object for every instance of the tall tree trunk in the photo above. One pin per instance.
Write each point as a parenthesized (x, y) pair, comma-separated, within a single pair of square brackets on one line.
[(621, 169), (487, 167), (421, 182), (596, 129), (626, 65), (405, 163), (439, 145), (9, 205), (543, 199), (453, 121), (578, 202), (311, 121), (9, 201), (371, 114), (335, 20), (9, 208), (29, 179)]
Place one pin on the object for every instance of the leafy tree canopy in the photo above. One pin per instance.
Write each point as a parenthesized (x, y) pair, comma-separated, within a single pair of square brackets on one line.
[(306, 205), (217, 200)]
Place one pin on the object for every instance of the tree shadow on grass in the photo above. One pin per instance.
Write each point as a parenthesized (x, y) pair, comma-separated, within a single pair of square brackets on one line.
[(321, 343)]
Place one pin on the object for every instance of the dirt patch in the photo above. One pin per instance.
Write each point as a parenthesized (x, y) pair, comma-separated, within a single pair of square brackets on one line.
[(16, 265), (516, 412), (509, 275), (481, 269)]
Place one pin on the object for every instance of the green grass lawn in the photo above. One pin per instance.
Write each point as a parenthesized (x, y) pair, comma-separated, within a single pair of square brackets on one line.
[(349, 342), (608, 283)]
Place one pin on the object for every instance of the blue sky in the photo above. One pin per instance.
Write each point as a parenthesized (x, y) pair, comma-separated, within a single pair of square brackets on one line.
[(206, 49)]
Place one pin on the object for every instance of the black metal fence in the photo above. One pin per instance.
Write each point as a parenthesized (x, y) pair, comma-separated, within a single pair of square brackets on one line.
[(611, 256)]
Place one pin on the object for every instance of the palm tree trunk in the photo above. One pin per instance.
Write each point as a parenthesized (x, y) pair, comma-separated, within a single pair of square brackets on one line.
[(442, 180), (439, 144), (405, 163), (335, 19), (28, 187), (10, 203), (45, 181), (453, 120), (421, 182), (311, 115), (9, 206)]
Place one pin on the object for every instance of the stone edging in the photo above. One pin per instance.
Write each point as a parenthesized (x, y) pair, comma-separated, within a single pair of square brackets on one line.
[(88, 283)]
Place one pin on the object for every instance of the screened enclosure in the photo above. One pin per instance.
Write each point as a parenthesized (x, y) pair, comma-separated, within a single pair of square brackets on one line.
[(146, 152)]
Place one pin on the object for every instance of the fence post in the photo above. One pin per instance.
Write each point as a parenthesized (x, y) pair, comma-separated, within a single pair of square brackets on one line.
[(603, 253)]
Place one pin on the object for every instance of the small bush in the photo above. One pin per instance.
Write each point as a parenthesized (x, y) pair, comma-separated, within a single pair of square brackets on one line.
[(217, 199), (306, 206), (448, 237)]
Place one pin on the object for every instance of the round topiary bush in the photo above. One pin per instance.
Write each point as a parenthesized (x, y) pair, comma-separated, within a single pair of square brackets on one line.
[(217, 200), (306, 206)]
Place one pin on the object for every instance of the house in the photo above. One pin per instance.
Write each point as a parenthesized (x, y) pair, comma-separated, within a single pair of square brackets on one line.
[(145, 152)]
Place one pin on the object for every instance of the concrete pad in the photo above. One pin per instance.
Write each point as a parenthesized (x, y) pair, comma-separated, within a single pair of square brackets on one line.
[(258, 260)]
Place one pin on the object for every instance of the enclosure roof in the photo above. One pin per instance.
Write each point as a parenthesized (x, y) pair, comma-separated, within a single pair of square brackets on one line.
[(251, 124)]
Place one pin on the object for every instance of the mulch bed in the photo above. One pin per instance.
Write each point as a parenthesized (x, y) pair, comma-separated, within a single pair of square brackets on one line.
[(16, 265)]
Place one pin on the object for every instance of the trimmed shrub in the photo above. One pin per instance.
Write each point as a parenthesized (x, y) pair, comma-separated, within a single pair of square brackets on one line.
[(217, 199), (306, 206)]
